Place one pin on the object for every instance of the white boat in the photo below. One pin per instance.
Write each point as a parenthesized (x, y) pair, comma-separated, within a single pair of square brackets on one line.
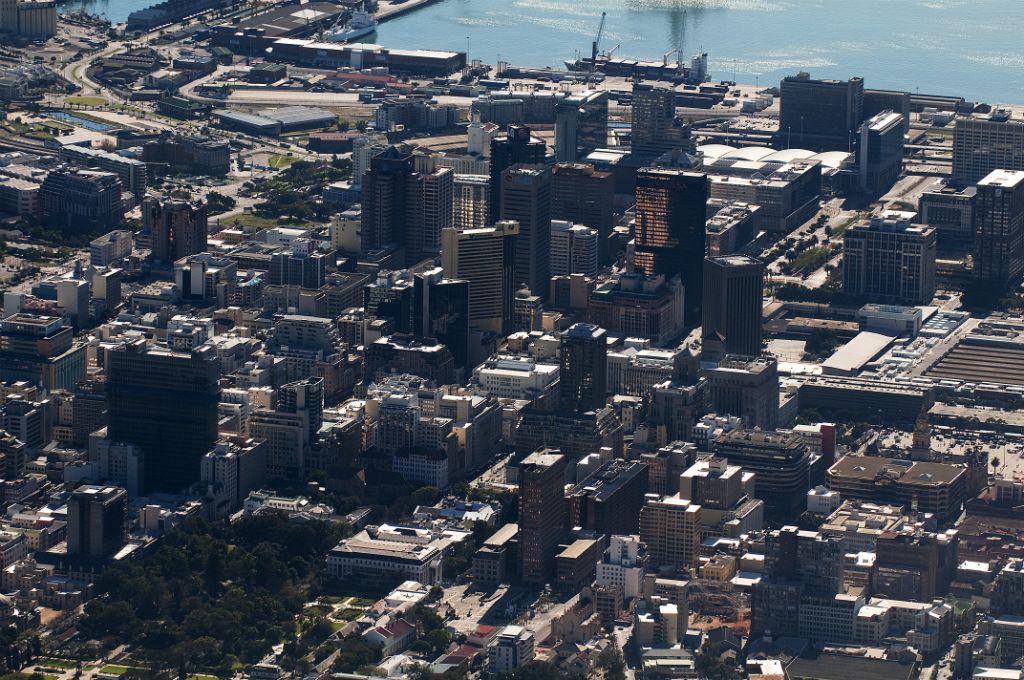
[(361, 23)]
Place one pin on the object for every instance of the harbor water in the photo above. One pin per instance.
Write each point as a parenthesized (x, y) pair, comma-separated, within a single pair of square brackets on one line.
[(966, 47)]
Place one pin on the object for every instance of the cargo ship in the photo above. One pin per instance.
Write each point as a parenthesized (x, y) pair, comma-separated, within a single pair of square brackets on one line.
[(361, 23), (693, 73)]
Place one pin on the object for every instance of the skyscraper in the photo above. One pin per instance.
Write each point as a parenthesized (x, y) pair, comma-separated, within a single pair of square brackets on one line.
[(880, 152), (385, 187), (97, 521), (516, 147), (484, 258), (165, 403), (573, 249), (406, 203), (430, 211), (583, 367), (542, 514), (178, 227), (583, 195), (999, 229), (526, 198), (441, 311), (581, 125), (671, 216), (731, 321), (820, 115), (656, 130), (469, 201)]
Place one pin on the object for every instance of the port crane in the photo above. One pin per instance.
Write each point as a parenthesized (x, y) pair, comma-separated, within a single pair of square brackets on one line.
[(594, 45)]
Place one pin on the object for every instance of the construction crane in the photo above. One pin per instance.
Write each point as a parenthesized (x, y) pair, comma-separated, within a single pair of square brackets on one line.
[(593, 47)]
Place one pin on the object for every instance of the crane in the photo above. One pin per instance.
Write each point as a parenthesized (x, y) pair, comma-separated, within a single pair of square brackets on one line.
[(593, 46)]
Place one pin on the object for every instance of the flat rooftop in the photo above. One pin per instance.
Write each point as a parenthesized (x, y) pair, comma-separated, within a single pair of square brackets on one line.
[(972, 362)]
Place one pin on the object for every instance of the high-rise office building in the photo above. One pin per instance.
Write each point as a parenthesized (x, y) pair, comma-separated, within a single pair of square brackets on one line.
[(670, 527), (952, 213), (81, 198), (573, 249), (390, 296), (609, 500), (406, 203), (40, 350), (889, 259), (516, 147), (584, 195), (306, 397), (289, 431), (656, 130), (999, 229), (982, 144), (430, 211), (733, 294), (441, 310), (581, 125), (804, 571), (880, 152), (469, 201), (385, 199), (303, 267), (97, 521), (526, 198), (177, 227), (820, 115), (542, 514), (670, 237), (484, 258), (747, 387), (778, 458), (165, 403), (583, 367), (131, 171)]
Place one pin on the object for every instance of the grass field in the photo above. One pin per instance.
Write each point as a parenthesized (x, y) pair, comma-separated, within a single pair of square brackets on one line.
[(84, 100), (56, 663), (280, 162), (114, 670)]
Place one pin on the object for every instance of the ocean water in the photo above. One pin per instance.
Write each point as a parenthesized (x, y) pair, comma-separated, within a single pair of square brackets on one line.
[(966, 47)]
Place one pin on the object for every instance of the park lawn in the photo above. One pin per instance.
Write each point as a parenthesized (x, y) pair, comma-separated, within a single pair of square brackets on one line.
[(85, 100), (280, 162), (114, 670), (56, 663)]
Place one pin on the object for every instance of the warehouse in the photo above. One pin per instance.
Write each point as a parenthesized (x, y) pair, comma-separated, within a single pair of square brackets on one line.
[(331, 55), (249, 123), (293, 118), (254, 34)]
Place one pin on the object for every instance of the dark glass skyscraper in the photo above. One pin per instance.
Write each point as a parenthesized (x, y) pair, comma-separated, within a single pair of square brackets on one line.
[(671, 216), (165, 403), (514, 148), (385, 188), (526, 199), (733, 290), (441, 311), (583, 368)]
